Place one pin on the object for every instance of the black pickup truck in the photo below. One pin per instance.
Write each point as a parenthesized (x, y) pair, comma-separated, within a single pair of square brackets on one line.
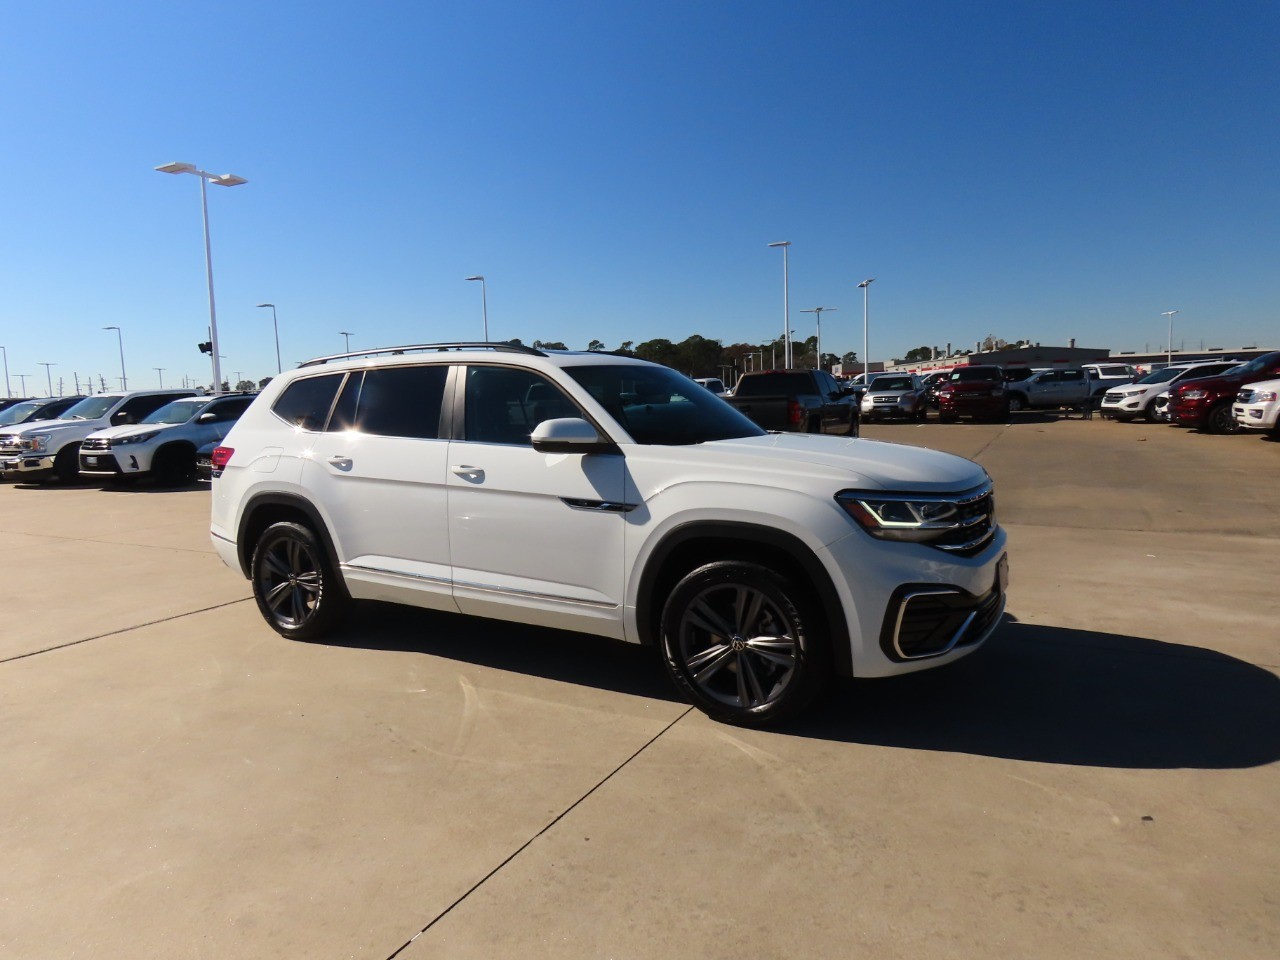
[(799, 401)]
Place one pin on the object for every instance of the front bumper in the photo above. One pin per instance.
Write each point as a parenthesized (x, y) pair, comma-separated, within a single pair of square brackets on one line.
[(971, 406), (1257, 416), (99, 465), (1112, 405), (1187, 413), (25, 465)]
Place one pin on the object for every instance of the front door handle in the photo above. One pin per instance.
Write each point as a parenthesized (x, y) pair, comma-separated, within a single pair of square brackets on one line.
[(474, 474), (341, 463)]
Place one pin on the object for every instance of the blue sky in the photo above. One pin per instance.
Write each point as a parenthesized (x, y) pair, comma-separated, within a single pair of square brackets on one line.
[(616, 170)]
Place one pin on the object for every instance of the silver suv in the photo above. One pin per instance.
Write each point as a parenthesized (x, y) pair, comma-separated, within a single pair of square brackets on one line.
[(609, 496)]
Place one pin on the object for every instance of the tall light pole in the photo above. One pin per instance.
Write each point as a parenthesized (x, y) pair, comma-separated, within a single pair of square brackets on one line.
[(866, 360), (786, 305), (124, 381), (276, 327), (817, 315), (347, 341), (484, 305), (7, 391), (160, 370), (23, 385), (48, 374), (1169, 314), (222, 180)]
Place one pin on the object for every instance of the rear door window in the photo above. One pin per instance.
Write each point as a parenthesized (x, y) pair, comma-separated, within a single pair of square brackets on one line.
[(393, 402)]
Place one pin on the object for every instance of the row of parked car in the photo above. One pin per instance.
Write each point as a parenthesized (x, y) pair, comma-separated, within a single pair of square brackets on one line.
[(164, 434), (1217, 396)]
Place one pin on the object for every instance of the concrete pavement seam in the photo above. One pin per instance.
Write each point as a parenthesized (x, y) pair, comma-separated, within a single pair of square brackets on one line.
[(112, 633), (524, 846)]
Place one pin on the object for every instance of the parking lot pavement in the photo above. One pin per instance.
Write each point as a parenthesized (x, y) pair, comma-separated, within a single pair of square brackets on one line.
[(1101, 779)]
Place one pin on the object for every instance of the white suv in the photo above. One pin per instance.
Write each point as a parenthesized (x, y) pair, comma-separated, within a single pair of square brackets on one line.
[(164, 443), (1138, 399), (609, 496), (1257, 406)]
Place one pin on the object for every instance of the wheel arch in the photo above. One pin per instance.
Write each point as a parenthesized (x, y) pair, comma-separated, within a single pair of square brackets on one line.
[(692, 544), (267, 508)]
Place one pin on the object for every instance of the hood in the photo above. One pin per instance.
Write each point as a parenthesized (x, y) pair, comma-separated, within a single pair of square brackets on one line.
[(848, 461), (128, 429), (45, 426)]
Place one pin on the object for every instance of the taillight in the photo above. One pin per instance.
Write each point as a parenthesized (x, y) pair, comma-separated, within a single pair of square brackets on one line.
[(795, 413), (220, 456)]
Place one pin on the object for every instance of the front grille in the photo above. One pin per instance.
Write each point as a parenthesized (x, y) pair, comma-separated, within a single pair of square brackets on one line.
[(10, 443), (96, 443), (884, 399), (977, 517), (927, 621), (1244, 396)]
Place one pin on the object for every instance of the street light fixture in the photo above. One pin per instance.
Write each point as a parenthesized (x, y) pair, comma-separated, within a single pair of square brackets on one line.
[(484, 305), (1169, 314), (817, 315), (786, 305), (276, 327), (160, 370), (48, 367), (124, 382), (22, 387), (347, 341), (222, 180), (866, 360)]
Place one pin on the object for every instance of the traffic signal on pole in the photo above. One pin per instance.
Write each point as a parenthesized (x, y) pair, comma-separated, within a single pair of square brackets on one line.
[(206, 347)]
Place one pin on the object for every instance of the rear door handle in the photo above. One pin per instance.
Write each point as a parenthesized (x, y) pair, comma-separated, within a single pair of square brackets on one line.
[(475, 474), (341, 463)]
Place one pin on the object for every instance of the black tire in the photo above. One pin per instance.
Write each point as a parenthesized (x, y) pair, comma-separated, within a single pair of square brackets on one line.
[(297, 592), (814, 425), (1017, 402), (744, 643), (1221, 420), (174, 466), (66, 465), (1149, 413)]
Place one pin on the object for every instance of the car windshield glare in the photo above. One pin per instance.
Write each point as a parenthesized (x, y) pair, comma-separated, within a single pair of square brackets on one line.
[(90, 408), (892, 383), (1160, 376), (180, 411), (656, 405), (975, 373)]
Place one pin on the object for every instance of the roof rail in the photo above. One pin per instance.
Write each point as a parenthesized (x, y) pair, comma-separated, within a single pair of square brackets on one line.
[(496, 345)]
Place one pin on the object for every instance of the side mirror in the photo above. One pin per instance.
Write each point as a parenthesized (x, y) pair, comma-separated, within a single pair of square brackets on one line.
[(207, 418), (567, 435)]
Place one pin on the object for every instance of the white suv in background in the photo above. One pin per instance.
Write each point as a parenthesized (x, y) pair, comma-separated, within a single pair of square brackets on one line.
[(1138, 399), (609, 496), (1257, 406), (164, 443)]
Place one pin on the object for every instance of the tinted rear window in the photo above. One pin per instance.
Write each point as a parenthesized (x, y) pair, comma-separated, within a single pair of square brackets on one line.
[(970, 374), (770, 384), (305, 403), (393, 402)]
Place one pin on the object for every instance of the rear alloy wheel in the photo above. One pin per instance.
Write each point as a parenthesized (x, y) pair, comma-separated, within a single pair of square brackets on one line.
[(741, 643), (1221, 420), (295, 587), (1017, 403)]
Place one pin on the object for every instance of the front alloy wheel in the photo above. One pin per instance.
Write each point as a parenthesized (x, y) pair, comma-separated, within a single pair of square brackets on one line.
[(1221, 420), (736, 640), (296, 591)]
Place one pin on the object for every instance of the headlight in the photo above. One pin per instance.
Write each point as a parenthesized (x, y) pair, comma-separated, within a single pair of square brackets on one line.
[(133, 438), (1264, 396), (1196, 394), (922, 518), (37, 443)]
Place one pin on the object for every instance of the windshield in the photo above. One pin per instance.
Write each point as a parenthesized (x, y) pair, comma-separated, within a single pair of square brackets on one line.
[(892, 383), (656, 405), (20, 411), (1255, 365), (966, 375), (180, 411), (1160, 376), (90, 408)]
